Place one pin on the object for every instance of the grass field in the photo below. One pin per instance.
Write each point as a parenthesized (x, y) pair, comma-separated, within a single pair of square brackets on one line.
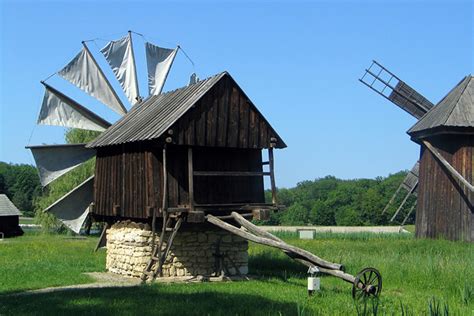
[(416, 273)]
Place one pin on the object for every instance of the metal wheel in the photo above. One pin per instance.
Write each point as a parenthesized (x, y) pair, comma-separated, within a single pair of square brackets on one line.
[(367, 282)]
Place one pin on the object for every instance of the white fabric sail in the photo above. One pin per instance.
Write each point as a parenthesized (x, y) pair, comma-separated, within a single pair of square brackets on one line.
[(53, 161), (60, 110), (84, 72), (119, 55), (73, 208), (159, 61)]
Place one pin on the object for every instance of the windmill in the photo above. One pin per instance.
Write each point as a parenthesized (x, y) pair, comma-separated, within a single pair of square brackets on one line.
[(83, 71), (388, 85)]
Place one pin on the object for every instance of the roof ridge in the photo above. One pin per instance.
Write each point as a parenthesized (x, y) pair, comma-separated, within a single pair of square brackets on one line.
[(198, 82), (459, 96)]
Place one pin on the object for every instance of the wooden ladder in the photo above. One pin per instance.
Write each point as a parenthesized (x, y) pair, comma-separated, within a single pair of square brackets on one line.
[(160, 253)]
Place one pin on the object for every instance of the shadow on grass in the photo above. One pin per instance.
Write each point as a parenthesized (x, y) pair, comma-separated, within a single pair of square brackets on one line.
[(154, 300), (275, 265)]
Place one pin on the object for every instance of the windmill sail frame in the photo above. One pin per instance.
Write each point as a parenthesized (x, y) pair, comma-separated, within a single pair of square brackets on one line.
[(121, 59), (60, 110), (401, 94), (84, 72)]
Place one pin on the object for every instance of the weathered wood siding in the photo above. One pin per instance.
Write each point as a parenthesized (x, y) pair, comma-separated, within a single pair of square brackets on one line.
[(129, 178), (444, 207), (224, 117)]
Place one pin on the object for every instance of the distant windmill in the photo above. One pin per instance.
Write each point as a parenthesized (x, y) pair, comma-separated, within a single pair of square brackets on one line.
[(384, 82), (83, 71)]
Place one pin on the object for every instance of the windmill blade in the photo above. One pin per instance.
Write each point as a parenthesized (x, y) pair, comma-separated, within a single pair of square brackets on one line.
[(388, 85), (84, 72), (159, 61), (53, 161), (411, 180), (409, 183), (119, 54), (60, 110), (72, 209)]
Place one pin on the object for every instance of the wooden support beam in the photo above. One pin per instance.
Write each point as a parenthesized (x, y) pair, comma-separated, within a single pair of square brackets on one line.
[(261, 214), (260, 232), (196, 217), (191, 174), (272, 175), (249, 215), (452, 171), (272, 243), (102, 239), (164, 203), (231, 173)]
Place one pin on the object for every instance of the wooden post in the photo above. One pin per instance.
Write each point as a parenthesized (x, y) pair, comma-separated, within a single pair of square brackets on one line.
[(272, 174), (191, 179), (164, 203), (102, 239)]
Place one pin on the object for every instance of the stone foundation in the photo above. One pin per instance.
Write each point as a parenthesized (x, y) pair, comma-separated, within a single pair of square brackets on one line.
[(198, 250)]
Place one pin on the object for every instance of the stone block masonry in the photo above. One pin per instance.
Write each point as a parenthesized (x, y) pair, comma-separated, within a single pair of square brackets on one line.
[(197, 250)]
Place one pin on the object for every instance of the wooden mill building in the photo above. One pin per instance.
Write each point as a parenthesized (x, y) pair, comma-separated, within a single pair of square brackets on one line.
[(445, 195), (9, 218), (194, 150)]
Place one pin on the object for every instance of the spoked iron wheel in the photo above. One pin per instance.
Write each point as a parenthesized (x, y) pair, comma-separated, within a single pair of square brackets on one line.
[(367, 282)]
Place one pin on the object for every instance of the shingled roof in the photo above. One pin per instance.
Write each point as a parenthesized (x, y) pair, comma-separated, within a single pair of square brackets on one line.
[(157, 114), (455, 110), (7, 208)]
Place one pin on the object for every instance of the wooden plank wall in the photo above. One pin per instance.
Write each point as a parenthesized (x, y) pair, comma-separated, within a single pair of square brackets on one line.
[(224, 117), (444, 207), (212, 190), (129, 178)]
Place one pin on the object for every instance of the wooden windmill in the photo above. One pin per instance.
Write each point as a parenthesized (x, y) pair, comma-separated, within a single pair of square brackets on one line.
[(384, 82), (445, 206), (83, 71)]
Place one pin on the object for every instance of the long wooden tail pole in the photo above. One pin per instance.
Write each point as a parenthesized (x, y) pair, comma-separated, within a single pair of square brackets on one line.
[(273, 243), (452, 171), (260, 232)]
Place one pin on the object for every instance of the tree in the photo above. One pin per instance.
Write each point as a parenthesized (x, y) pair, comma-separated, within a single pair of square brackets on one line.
[(296, 215), (2, 185), (321, 214)]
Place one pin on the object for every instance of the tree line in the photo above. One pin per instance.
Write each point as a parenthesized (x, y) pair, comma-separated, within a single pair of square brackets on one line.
[(331, 201)]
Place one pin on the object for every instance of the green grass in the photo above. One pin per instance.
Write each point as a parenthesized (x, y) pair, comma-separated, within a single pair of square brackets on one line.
[(418, 275), (410, 228), (39, 260)]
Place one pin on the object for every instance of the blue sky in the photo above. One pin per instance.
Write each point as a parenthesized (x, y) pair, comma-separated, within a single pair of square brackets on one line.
[(298, 61)]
